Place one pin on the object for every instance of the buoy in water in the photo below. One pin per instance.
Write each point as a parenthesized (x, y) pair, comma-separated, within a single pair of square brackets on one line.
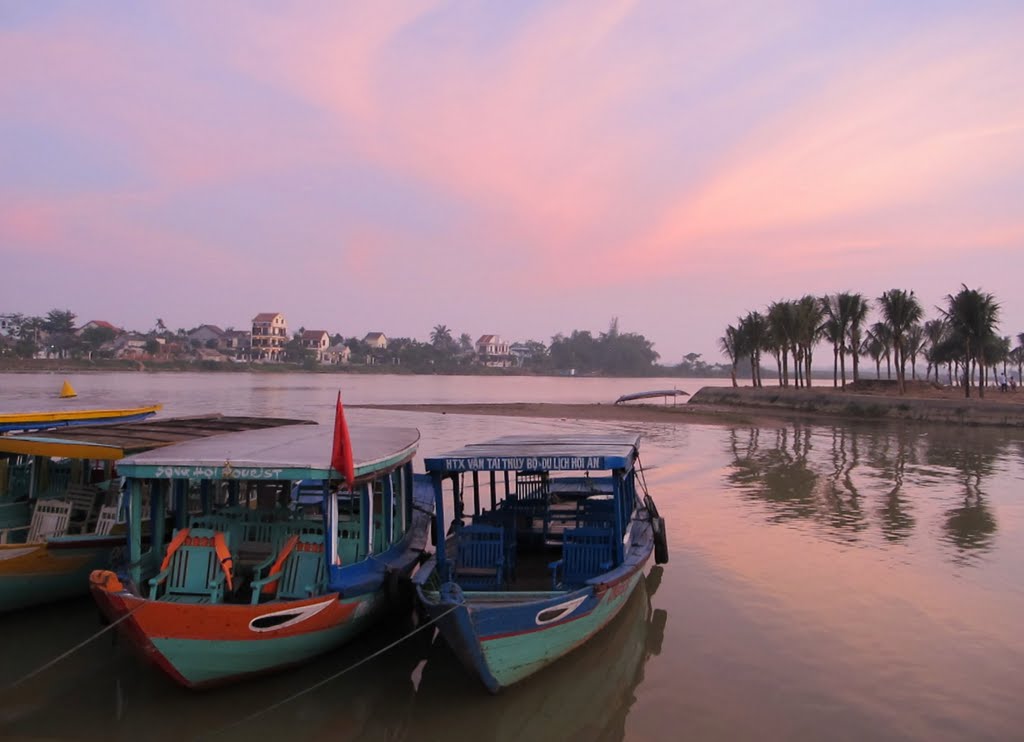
[(67, 390)]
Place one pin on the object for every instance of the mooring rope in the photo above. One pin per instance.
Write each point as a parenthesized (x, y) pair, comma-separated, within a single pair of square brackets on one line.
[(643, 477), (329, 678), (74, 649)]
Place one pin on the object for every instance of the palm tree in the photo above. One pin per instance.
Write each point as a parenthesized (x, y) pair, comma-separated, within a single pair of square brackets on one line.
[(935, 331), (753, 330), (782, 331), (839, 310), (835, 333), (809, 314), (900, 310), (728, 343), (914, 344), (441, 337), (874, 349), (857, 310), (972, 317)]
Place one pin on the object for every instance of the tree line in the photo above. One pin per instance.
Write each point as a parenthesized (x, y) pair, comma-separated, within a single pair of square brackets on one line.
[(963, 339)]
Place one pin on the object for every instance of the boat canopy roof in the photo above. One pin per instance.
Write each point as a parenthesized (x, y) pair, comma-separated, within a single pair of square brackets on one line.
[(290, 453), (116, 440), (577, 452)]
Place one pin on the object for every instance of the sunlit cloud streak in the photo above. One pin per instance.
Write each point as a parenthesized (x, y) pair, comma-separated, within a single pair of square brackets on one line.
[(591, 160)]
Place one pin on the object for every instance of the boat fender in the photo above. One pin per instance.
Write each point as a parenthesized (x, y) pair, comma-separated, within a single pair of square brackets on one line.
[(660, 541)]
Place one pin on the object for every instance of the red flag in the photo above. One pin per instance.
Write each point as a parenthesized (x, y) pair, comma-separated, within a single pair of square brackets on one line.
[(341, 450)]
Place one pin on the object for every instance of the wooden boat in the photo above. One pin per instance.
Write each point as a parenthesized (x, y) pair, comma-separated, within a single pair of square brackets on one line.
[(70, 415), (250, 584), (666, 393), (551, 562), (59, 501)]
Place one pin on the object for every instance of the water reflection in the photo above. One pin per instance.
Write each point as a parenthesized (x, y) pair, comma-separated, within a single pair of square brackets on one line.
[(858, 483), (417, 690)]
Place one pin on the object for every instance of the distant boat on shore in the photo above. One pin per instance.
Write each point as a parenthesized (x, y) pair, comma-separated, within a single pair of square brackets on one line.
[(666, 393)]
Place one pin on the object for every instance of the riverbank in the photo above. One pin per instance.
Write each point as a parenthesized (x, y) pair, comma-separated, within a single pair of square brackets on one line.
[(743, 405)]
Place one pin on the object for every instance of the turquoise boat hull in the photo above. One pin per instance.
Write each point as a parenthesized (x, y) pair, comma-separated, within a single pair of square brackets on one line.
[(504, 638)]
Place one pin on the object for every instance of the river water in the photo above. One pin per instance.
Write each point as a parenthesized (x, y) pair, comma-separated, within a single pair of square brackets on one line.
[(827, 581)]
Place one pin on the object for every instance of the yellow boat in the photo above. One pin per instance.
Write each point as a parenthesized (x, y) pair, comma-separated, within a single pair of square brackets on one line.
[(56, 523), (72, 416)]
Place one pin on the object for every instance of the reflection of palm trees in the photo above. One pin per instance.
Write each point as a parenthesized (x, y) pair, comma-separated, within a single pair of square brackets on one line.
[(897, 522), (971, 525), (776, 474), (797, 484)]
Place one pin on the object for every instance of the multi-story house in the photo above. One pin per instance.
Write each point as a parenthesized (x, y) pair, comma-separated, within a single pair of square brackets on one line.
[(492, 351), (269, 336), (376, 340), (317, 341)]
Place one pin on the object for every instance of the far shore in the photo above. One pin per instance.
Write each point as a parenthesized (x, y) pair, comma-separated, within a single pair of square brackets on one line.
[(922, 403)]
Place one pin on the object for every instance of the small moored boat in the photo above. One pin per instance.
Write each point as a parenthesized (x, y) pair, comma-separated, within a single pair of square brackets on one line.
[(71, 414), (256, 581), (60, 515), (549, 538)]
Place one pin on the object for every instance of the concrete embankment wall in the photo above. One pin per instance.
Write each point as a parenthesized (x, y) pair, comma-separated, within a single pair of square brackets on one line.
[(847, 404)]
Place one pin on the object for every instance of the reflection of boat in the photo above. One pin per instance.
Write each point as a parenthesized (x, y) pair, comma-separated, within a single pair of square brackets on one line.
[(666, 393), (242, 590), (554, 559), (59, 501)]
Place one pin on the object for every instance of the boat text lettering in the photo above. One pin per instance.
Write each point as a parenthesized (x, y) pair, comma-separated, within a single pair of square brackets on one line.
[(525, 463)]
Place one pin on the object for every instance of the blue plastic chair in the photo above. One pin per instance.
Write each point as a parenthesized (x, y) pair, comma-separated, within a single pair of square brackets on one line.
[(586, 553), (479, 557)]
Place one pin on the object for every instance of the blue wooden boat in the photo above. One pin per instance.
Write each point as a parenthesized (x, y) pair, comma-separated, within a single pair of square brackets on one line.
[(251, 582), (547, 539)]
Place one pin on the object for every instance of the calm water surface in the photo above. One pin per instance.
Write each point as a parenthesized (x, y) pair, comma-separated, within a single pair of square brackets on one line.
[(826, 582)]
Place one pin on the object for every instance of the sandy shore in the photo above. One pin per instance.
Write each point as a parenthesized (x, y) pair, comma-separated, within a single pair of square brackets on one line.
[(632, 412), (922, 403)]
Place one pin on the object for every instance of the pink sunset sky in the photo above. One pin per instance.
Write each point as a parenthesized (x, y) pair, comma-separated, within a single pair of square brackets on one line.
[(519, 168)]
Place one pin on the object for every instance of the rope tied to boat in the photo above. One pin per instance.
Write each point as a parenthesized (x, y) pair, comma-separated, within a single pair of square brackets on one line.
[(73, 649), (329, 678)]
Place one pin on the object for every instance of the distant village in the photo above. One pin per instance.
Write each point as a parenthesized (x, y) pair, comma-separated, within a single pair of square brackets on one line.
[(268, 340), (28, 342)]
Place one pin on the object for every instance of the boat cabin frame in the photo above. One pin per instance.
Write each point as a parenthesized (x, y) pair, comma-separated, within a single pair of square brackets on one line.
[(254, 483), (536, 490)]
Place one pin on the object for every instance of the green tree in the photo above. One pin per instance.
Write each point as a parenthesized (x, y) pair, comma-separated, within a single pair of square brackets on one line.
[(94, 337), (59, 321)]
